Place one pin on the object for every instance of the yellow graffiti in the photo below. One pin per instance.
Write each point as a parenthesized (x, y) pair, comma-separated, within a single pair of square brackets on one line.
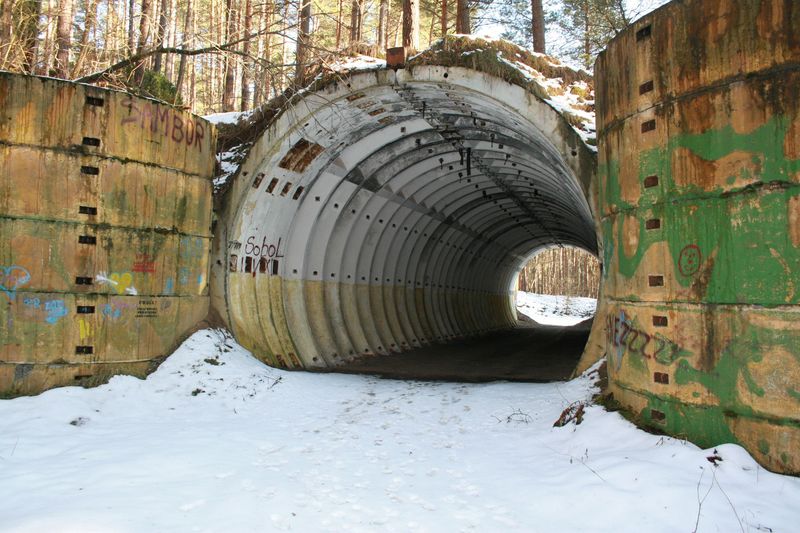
[(121, 281), (86, 329)]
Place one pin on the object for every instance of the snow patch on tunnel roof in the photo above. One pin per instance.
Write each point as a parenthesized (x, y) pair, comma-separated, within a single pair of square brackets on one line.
[(359, 62)]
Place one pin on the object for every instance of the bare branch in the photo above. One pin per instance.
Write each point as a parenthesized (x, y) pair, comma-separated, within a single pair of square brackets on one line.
[(227, 48)]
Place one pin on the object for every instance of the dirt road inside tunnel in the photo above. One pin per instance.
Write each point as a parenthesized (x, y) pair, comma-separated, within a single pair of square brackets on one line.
[(530, 352)]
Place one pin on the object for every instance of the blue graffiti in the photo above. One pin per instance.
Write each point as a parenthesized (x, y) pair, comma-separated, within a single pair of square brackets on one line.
[(191, 247), (111, 312), (169, 286), (12, 278), (32, 302), (55, 310), (183, 275)]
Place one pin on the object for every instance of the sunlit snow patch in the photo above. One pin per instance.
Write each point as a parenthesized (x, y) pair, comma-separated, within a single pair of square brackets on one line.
[(555, 310)]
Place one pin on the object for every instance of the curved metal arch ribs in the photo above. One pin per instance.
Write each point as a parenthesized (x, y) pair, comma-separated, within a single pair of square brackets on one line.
[(445, 250)]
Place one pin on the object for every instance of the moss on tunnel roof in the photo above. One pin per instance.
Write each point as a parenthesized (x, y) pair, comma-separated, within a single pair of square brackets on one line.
[(486, 55)]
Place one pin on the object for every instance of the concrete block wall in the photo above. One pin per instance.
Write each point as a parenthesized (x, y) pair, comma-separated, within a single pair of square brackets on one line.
[(699, 201), (105, 229)]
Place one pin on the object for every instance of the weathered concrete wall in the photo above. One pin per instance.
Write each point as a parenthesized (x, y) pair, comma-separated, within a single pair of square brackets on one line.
[(105, 230), (699, 194)]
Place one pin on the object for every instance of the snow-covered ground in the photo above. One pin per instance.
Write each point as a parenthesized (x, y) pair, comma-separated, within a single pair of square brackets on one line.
[(215, 441), (555, 310)]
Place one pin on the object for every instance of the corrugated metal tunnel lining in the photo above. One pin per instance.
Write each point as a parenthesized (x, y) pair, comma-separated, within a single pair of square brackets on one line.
[(394, 209)]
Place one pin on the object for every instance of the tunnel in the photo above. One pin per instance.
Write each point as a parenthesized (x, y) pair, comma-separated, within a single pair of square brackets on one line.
[(392, 209)]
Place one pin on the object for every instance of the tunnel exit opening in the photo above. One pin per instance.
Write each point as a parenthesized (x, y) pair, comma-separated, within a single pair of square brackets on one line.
[(558, 286)]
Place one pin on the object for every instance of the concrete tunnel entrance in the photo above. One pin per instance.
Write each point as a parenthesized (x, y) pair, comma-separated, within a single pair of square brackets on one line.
[(388, 214)]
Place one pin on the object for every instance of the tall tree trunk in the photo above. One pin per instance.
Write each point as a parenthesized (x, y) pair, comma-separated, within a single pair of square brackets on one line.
[(462, 17), (444, 18), (161, 32), (248, 19), (261, 54), (587, 43), (6, 20), (355, 22), (144, 25), (24, 17), (266, 78), (188, 38), (88, 26), (45, 43), (63, 37), (118, 33), (303, 38), (230, 65), (190, 103), (144, 37), (169, 68), (537, 26), (108, 31), (411, 24), (431, 28), (131, 26), (339, 25), (383, 24), (284, 47)]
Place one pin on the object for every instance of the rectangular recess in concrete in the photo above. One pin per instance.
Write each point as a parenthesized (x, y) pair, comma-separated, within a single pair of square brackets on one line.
[(91, 171), (301, 155), (653, 223)]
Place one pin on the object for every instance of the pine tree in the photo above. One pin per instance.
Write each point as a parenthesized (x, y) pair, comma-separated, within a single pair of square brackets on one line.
[(589, 25)]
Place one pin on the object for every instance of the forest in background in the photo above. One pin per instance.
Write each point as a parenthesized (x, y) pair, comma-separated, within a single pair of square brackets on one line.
[(564, 270), (234, 55)]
